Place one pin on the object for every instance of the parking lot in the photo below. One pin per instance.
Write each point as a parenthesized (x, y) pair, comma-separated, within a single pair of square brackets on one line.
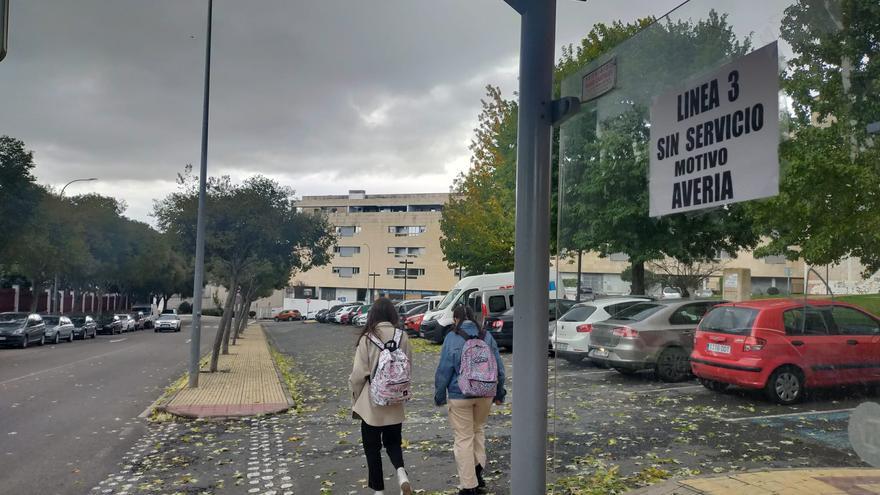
[(624, 427)]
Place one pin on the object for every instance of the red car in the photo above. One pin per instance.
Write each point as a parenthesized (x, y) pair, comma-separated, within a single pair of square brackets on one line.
[(412, 324), (784, 347), (288, 315)]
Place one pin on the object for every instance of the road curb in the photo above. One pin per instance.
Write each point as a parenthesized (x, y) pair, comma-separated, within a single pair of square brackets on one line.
[(270, 341)]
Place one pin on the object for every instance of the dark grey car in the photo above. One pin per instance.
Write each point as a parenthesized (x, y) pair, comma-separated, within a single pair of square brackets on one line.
[(657, 335), (21, 329), (58, 328), (84, 327)]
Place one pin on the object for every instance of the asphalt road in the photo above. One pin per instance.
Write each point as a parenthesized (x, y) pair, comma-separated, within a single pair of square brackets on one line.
[(70, 411)]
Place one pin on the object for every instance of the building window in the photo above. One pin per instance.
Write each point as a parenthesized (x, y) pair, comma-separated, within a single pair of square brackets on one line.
[(407, 230), (618, 257), (346, 271), (774, 260), (722, 255), (347, 251), (402, 252), (411, 273), (348, 230)]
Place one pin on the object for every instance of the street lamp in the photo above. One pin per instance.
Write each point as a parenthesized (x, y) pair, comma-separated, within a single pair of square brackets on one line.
[(199, 275), (54, 298)]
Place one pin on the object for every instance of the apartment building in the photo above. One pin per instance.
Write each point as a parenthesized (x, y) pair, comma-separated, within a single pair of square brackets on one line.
[(384, 242)]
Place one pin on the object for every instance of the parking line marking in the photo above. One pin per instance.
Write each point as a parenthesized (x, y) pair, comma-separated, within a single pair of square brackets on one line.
[(650, 391), (804, 413), (118, 340), (569, 375)]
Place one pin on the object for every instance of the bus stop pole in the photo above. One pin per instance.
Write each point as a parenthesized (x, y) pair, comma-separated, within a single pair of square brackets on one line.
[(528, 458)]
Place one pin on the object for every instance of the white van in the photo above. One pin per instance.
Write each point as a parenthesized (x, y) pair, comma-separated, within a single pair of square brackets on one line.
[(437, 323)]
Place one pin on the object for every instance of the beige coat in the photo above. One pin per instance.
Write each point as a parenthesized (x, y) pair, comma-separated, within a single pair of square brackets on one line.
[(365, 359)]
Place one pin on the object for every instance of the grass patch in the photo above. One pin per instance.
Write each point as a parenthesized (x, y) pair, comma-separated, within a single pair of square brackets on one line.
[(422, 346), (292, 379), (870, 302), (608, 481)]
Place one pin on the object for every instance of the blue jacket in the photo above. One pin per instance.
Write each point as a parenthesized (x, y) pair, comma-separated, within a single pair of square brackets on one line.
[(446, 377)]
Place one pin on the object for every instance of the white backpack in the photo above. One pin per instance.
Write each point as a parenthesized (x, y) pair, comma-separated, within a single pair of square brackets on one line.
[(390, 381)]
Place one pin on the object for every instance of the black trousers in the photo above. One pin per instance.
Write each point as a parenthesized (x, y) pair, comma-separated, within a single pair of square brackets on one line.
[(374, 437)]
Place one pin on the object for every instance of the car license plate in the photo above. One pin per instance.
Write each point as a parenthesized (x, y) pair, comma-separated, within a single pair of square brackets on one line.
[(719, 348), (561, 346), (600, 353)]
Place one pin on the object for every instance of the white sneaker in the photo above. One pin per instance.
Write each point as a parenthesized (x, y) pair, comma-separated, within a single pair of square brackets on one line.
[(403, 479)]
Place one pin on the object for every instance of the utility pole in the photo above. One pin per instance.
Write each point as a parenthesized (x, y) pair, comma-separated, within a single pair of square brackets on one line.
[(538, 113), (405, 264), (373, 290), (199, 276)]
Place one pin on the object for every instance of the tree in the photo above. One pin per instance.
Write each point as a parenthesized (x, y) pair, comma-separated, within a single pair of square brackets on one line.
[(478, 221), (19, 194), (604, 157), (248, 226), (829, 202)]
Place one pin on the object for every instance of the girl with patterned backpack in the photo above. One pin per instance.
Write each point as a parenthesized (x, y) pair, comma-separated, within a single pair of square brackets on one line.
[(471, 375), (380, 385)]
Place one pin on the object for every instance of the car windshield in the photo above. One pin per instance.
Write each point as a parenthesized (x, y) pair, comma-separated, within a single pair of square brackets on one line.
[(638, 312), (729, 319), (51, 320), (449, 299), (578, 313), (168, 317), (13, 317), (78, 320)]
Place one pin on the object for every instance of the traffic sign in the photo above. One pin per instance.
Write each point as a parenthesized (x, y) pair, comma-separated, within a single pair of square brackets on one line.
[(4, 27), (308, 301)]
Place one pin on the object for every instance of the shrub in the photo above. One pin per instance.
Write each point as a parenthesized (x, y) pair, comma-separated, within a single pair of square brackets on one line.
[(185, 308), (252, 313), (212, 312), (772, 291)]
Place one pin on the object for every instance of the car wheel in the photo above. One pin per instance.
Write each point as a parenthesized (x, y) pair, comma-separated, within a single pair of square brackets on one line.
[(785, 386), (94, 334), (673, 365), (155, 330), (276, 320), (713, 385), (57, 338), (24, 342), (70, 339)]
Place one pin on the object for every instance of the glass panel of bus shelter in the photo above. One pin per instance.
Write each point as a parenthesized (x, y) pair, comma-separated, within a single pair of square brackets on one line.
[(675, 386)]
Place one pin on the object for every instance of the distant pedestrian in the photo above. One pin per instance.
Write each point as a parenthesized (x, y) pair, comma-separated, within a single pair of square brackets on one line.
[(471, 375), (379, 388)]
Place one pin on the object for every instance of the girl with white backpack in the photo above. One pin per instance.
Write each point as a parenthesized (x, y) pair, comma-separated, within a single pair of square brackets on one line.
[(471, 375), (380, 385)]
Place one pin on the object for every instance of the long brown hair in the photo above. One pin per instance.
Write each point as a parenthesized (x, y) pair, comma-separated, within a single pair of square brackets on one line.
[(462, 313), (381, 311)]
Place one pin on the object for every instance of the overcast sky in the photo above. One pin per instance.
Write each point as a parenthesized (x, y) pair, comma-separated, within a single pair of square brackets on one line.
[(324, 95)]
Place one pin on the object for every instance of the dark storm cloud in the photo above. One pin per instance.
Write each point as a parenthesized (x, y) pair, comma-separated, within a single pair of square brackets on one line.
[(315, 93)]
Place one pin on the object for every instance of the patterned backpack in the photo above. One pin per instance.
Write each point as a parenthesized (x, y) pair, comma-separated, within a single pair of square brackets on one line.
[(390, 381), (478, 376)]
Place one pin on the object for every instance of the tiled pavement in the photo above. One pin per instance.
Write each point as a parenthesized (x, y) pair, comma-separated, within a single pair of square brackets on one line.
[(790, 482), (246, 385)]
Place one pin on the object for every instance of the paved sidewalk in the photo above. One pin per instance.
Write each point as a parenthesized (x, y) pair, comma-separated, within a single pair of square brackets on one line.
[(850, 481), (247, 384)]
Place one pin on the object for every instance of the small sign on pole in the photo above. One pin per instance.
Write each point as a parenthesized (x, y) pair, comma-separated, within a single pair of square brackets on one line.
[(715, 140), (599, 81)]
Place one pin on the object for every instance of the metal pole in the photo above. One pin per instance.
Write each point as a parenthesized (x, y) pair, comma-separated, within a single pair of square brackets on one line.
[(528, 460), (53, 306), (198, 278)]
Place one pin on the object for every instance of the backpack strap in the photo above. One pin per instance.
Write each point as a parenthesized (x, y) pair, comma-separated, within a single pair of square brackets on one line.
[(375, 340), (397, 336)]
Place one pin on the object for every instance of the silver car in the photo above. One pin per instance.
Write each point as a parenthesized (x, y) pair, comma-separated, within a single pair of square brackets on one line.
[(58, 328), (170, 322), (656, 335)]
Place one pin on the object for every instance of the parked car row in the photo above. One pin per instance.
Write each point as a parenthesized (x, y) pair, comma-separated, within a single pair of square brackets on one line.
[(22, 329)]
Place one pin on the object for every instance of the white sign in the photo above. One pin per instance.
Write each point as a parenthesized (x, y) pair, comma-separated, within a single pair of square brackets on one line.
[(599, 81), (715, 140), (731, 281)]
